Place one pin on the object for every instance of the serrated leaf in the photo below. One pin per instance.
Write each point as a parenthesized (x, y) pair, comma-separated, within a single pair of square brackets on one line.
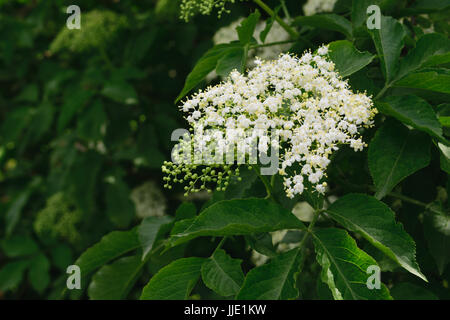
[(431, 50), (235, 217), (438, 81), (347, 58), (148, 231), (175, 281), (375, 221), (274, 280), (110, 247), (395, 153), (437, 233), (247, 27), (389, 43), (114, 281), (412, 111), (222, 274), (233, 59), (344, 266), (205, 65), (329, 21)]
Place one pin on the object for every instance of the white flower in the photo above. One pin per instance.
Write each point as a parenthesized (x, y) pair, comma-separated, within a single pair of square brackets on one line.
[(316, 6), (303, 100)]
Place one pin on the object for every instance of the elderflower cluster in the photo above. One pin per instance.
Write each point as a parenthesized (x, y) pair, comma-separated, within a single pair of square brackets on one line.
[(277, 33), (148, 200), (318, 6), (299, 108), (59, 219), (98, 29), (190, 8)]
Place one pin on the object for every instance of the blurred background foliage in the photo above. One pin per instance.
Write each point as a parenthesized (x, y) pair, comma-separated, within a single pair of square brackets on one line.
[(85, 123)]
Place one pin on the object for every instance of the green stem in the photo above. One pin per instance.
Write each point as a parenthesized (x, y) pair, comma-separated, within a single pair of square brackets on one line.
[(266, 183), (310, 227), (382, 92), (285, 10), (220, 244), (294, 34), (402, 197), (271, 44)]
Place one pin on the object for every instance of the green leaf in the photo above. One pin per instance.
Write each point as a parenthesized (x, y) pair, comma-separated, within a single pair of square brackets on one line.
[(72, 104), (262, 243), (90, 123), (431, 50), (269, 24), (18, 246), (445, 121), (14, 212), (175, 281), (274, 280), (205, 65), (344, 266), (119, 207), (222, 274), (186, 210), (233, 59), (389, 43), (444, 157), (39, 273), (347, 58), (328, 21), (235, 217), (428, 6), (111, 246), (40, 123), (148, 231), (409, 291), (437, 233), (114, 281), (120, 91), (438, 80), (395, 153), (11, 274), (247, 27), (375, 221), (412, 111)]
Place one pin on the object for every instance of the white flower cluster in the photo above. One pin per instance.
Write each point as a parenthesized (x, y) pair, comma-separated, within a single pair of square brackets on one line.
[(303, 101), (317, 6), (277, 33), (148, 200)]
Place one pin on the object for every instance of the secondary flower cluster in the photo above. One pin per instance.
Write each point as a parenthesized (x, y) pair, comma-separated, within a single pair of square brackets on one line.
[(190, 8), (317, 6), (301, 101)]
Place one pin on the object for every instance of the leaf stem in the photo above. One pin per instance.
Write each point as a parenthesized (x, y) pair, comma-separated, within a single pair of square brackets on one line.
[(285, 9), (271, 44), (402, 197), (266, 183), (294, 34)]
